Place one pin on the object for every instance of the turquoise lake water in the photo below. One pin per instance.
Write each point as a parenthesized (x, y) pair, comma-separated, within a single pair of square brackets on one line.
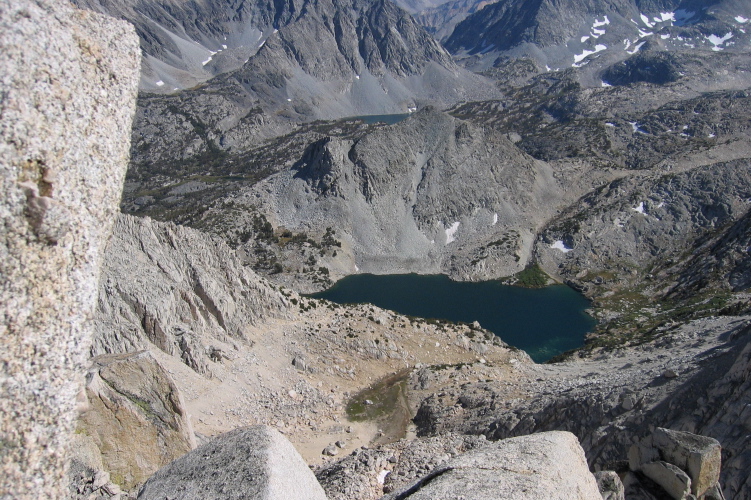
[(542, 321)]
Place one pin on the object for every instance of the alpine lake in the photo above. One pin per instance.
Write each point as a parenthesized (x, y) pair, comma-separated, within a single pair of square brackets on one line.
[(544, 321)]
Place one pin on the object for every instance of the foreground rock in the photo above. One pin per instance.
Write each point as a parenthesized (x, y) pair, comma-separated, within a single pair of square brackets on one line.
[(135, 420), (547, 465), (68, 96), (680, 462), (253, 462), (694, 379)]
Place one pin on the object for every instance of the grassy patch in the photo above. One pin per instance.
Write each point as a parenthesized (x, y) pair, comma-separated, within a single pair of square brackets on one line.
[(532, 276)]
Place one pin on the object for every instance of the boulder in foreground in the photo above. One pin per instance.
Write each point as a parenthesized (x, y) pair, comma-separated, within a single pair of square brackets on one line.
[(252, 462), (547, 465)]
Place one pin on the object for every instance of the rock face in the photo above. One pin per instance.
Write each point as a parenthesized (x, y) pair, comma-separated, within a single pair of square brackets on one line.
[(578, 33), (68, 97), (680, 462), (135, 417), (546, 465), (252, 462), (284, 63), (430, 194), (176, 289)]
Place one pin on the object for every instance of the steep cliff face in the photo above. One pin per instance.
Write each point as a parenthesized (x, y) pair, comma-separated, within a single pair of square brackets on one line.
[(68, 97), (176, 289)]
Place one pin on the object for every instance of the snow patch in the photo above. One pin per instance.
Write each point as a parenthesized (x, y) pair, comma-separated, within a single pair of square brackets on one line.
[(636, 128), (224, 47), (357, 77), (646, 21), (159, 83), (560, 245), (495, 219), (207, 61), (605, 21), (665, 36), (643, 33), (261, 44), (585, 38), (382, 476), (639, 208), (667, 16), (636, 48), (717, 41), (608, 124), (605, 84), (741, 19), (450, 232), (580, 57), (411, 110)]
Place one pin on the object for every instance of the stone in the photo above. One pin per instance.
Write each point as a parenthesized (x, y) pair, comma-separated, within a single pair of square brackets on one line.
[(251, 462), (69, 81), (714, 493), (610, 485), (330, 451), (699, 456), (641, 453), (548, 465), (669, 374), (671, 478), (133, 404), (628, 403)]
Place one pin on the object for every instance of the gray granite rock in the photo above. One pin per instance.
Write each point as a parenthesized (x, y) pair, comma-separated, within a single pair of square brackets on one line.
[(610, 485), (548, 465), (671, 478), (698, 455), (252, 462), (67, 98)]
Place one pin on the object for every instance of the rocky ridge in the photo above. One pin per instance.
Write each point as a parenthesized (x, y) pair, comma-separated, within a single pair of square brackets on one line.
[(586, 34)]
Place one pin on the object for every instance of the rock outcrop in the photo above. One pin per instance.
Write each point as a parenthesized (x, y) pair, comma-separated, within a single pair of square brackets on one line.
[(135, 418), (252, 462), (692, 379), (176, 289), (545, 465), (68, 97), (681, 463)]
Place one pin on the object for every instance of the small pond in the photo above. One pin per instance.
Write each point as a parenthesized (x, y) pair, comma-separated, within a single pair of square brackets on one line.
[(542, 321)]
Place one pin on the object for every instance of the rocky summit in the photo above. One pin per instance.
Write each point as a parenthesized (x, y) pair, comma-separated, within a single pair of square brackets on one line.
[(274, 148)]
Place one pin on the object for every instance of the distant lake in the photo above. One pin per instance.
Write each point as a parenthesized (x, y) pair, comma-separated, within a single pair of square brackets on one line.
[(387, 119), (542, 321)]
